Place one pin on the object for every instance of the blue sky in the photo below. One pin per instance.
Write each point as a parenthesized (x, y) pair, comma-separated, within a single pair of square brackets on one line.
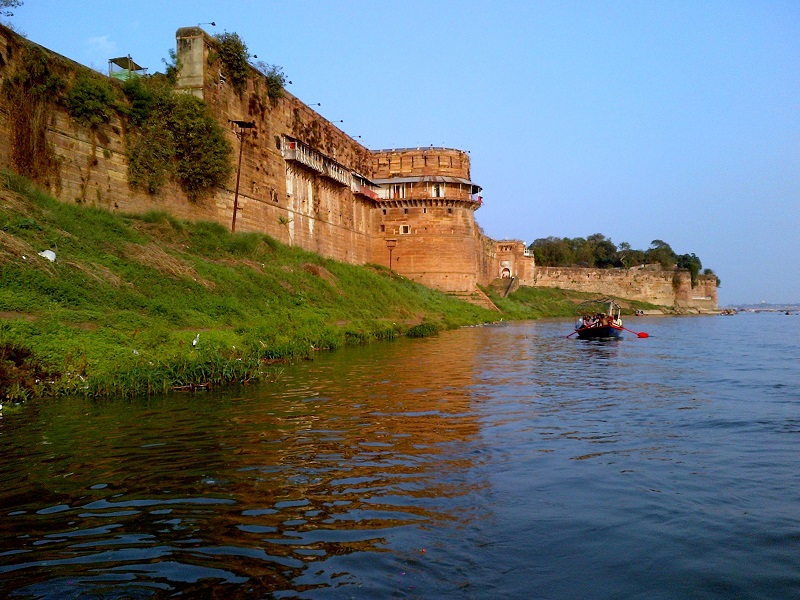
[(672, 120)]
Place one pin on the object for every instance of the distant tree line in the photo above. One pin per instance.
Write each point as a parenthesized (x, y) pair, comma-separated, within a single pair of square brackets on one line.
[(598, 251)]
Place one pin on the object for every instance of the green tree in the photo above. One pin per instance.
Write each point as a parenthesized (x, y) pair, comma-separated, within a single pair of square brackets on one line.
[(201, 148), (604, 251), (692, 263), (661, 252), (710, 272), (629, 257), (174, 135), (552, 252)]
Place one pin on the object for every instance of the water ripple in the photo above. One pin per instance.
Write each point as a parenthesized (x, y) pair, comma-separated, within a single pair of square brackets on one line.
[(487, 462)]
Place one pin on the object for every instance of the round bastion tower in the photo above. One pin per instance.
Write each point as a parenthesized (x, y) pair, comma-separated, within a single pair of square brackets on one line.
[(425, 221)]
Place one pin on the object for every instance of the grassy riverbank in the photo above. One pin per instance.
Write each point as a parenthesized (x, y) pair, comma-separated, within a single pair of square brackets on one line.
[(146, 304)]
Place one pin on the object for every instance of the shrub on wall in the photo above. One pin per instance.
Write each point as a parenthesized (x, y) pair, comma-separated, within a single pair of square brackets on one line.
[(202, 152), (142, 96), (151, 153), (29, 94), (275, 79), (172, 135), (234, 56), (90, 100), (175, 136)]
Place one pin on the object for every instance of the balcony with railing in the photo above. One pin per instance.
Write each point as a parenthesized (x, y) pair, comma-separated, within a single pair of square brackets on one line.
[(337, 172), (361, 187), (297, 151)]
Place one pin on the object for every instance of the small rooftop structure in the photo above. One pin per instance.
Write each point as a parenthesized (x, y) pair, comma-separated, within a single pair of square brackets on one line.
[(123, 68)]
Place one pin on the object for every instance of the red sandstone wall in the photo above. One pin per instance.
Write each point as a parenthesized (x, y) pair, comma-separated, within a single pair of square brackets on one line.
[(428, 208), (318, 215), (405, 162), (512, 260), (92, 163), (439, 248), (285, 200)]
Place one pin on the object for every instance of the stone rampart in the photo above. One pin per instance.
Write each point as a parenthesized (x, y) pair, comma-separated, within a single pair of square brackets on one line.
[(307, 183), (662, 287)]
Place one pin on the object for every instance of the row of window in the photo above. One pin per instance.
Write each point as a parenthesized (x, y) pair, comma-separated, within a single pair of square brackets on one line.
[(398, 191), (403, 229), (424, 210)]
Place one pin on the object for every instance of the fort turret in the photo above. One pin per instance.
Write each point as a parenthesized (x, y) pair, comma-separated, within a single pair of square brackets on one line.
[(426, 210)]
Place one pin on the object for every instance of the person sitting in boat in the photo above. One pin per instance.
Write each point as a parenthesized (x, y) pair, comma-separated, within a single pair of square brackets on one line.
[(586, 321)]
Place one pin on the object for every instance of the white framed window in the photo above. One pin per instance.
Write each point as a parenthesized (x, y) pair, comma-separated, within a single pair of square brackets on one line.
[(405, 229)]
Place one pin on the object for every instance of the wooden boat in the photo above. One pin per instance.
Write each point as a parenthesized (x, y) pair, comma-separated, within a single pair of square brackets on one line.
[(599, 319)]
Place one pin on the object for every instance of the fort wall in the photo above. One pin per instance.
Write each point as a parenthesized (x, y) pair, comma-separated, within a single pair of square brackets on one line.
[(307, 183), (666, 288), (90, 164), (297, 173)]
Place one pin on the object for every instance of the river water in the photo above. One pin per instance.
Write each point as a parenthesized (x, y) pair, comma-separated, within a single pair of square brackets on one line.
[(490, 462)]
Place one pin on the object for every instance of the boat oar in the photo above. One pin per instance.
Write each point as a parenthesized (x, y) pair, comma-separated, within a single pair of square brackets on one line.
[(640, 334), (577, 331)]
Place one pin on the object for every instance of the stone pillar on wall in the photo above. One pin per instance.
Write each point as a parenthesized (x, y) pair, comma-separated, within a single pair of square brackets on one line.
[(191, 53)]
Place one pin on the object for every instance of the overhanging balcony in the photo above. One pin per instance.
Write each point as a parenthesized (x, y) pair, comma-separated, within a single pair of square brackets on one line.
[(363, 189), (297, 151), (337, 172)]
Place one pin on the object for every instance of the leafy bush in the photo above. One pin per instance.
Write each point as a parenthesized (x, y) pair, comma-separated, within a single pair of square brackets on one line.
[(176, 136), (234, 56), (424, 329), (90, 100), (202, 151), (151, 155), (275, 79), (141, 94)]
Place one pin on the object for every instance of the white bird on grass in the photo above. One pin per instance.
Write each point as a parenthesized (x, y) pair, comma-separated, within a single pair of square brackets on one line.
[(195, 340)]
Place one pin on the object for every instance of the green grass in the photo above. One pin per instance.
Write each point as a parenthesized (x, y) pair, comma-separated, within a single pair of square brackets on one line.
[(535, 303), (118, 312)]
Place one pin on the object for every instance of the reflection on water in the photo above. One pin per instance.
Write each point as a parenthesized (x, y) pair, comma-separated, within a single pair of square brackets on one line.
[(246, 487), (488, 462)]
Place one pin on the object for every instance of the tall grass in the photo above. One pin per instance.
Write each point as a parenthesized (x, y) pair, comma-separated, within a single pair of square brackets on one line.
[(120, 310), (145, 304)]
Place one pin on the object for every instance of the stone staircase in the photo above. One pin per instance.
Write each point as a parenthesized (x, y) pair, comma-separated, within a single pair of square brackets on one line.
[(503, 287), (478, 298)]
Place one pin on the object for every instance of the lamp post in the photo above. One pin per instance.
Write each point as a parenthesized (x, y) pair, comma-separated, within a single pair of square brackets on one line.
[(244, 126), (391, 244)]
